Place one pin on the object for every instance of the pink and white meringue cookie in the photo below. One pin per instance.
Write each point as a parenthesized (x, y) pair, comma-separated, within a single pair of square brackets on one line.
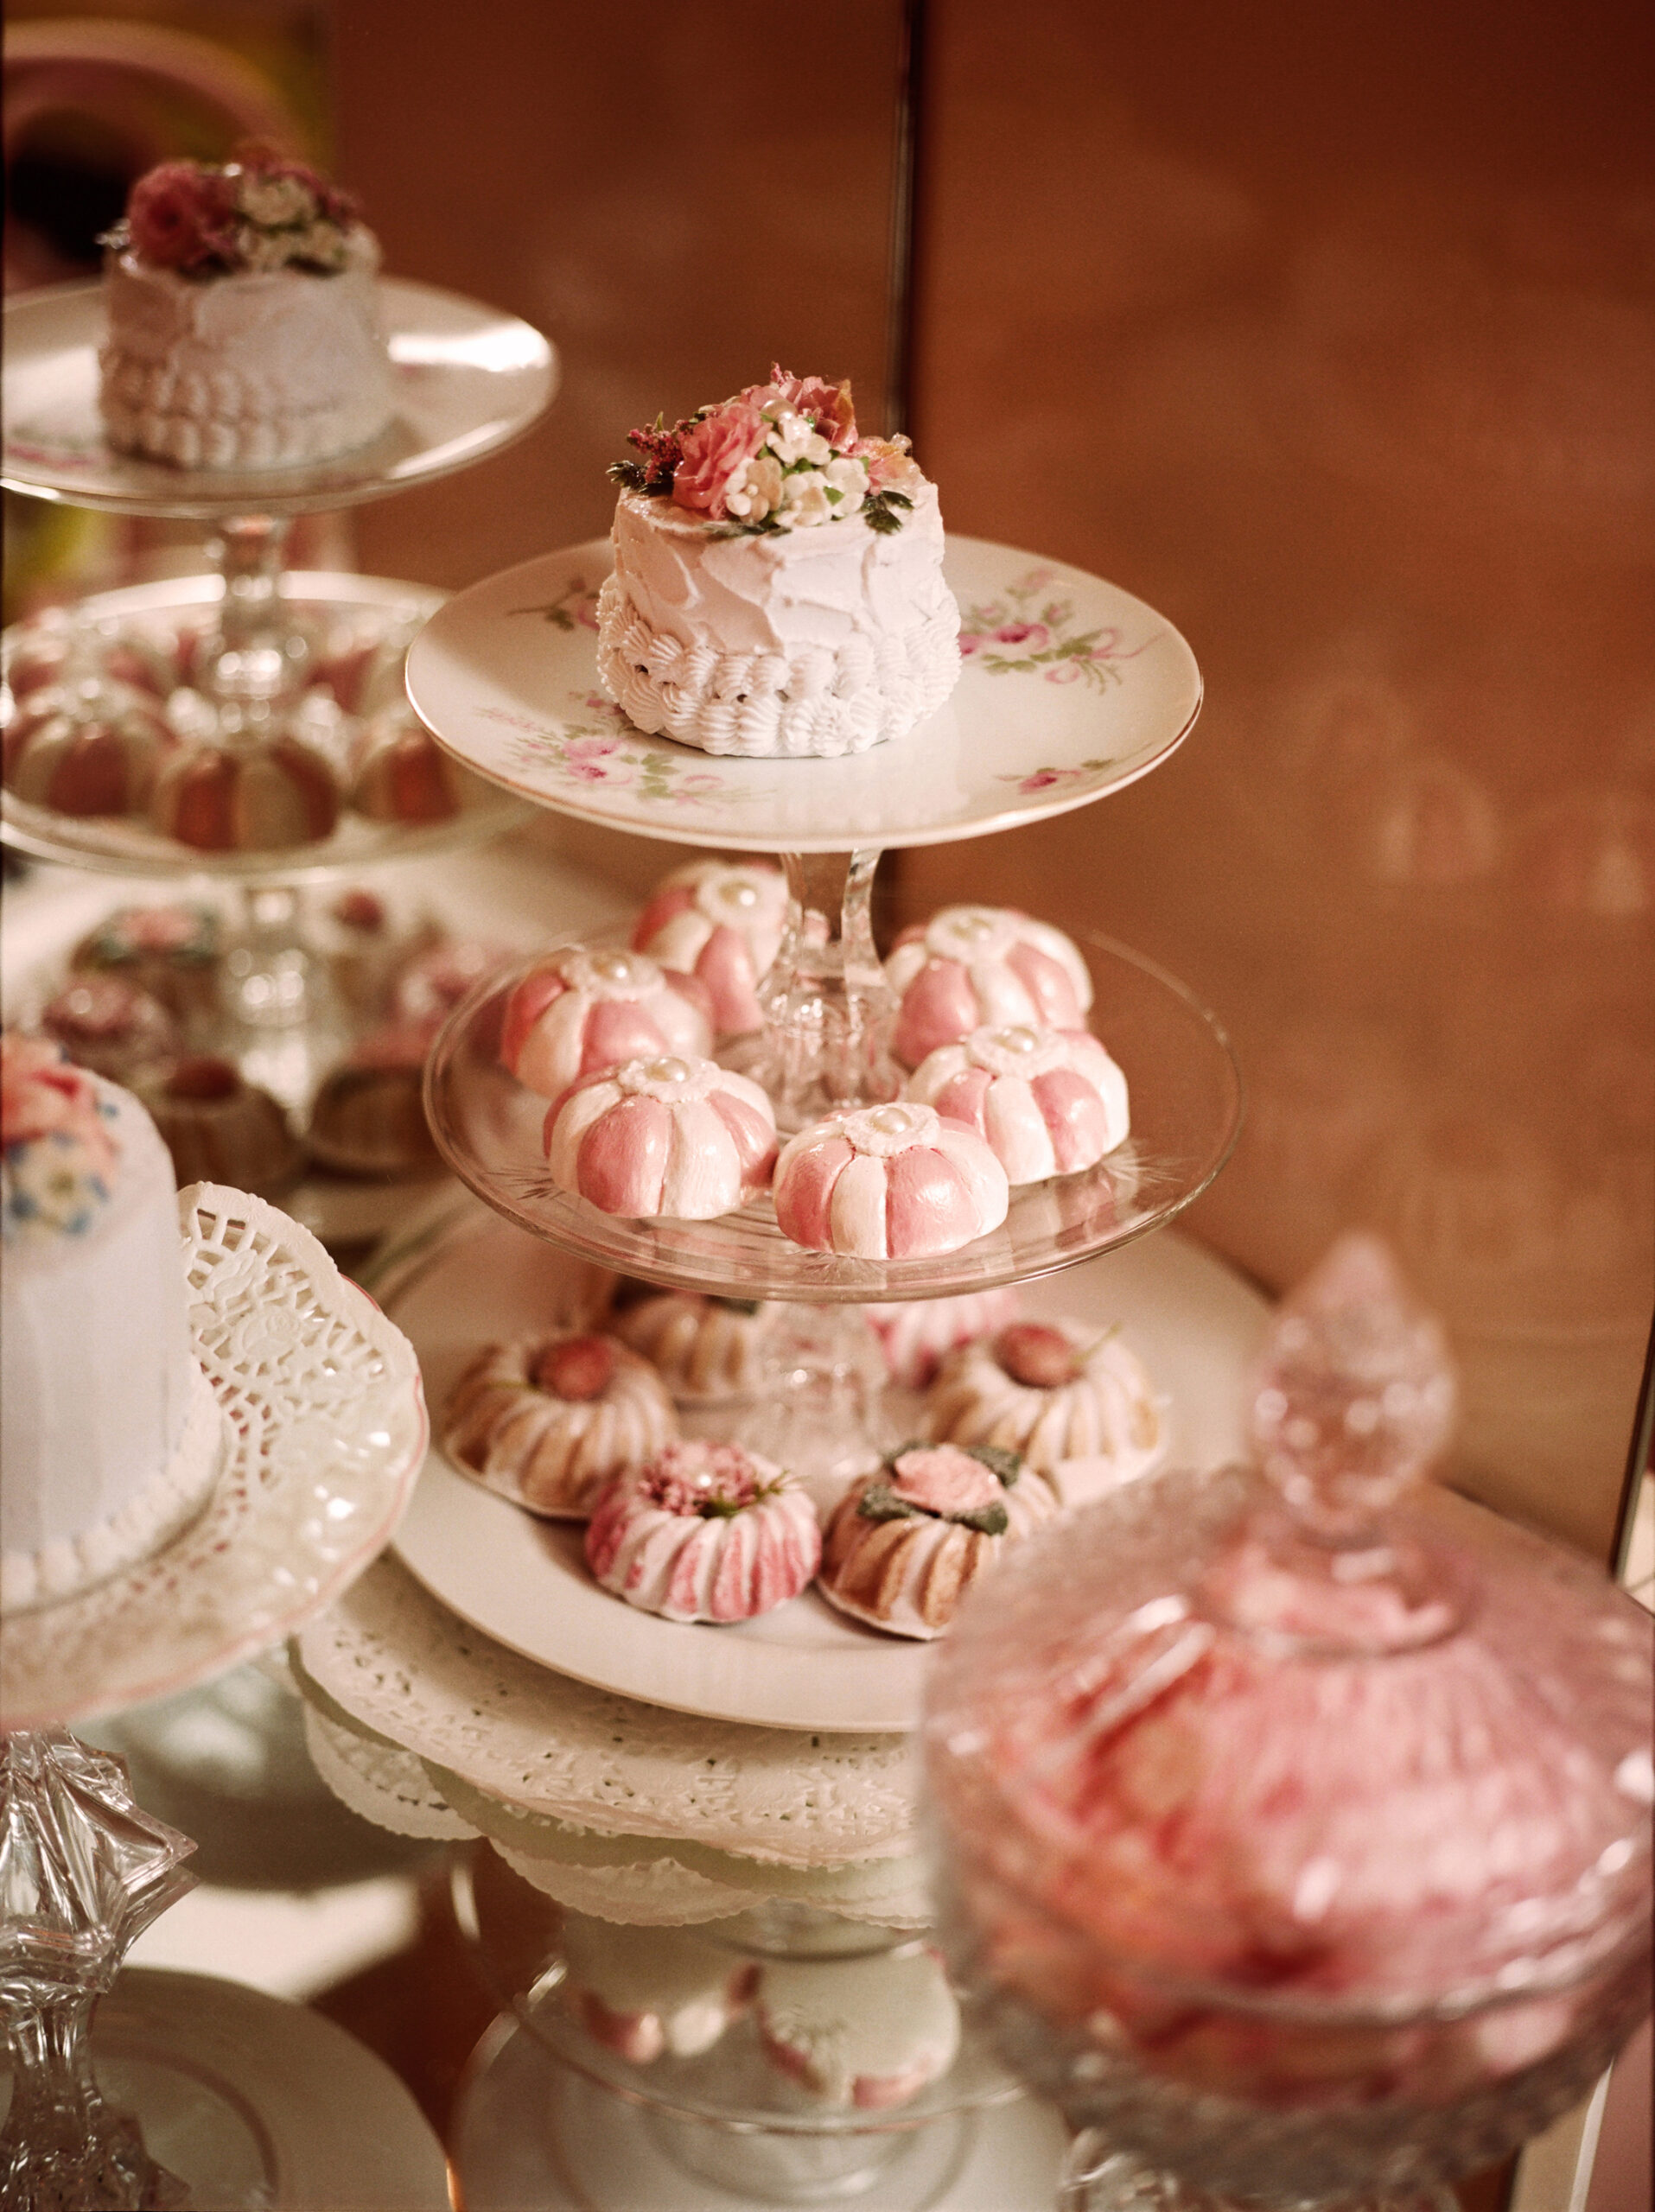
[(649, 1993), (582, 1010), (1047, 1102), (895, 1182), (866, 2034), (917, 1334), (683, 1139), (706, 1532), (982, 967), (721, 922)]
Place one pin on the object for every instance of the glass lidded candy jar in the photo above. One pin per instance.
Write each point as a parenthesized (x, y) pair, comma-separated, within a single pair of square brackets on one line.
[(1294, 1820)]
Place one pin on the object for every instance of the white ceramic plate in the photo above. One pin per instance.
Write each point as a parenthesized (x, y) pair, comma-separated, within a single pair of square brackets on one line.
[(256, 2102), (1071, 687), (524, 1581), (467, 381)]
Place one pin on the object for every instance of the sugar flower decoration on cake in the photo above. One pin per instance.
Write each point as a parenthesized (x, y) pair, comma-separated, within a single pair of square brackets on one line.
[(256, 213), (782, 456), (57, 1171)]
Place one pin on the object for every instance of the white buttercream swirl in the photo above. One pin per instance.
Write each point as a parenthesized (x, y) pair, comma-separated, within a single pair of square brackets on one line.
[(805, 643)]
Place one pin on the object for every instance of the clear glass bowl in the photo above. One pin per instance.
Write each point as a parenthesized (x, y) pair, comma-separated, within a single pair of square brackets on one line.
[(725, 2112), (1289, 1916)]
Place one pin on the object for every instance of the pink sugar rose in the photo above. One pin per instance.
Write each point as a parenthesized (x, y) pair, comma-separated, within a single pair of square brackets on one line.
[(891, 467), (715, 451), (829, 404), (42, 1093), (182, 216)]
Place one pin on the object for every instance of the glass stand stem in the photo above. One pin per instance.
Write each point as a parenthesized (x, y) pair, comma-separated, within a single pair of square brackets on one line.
[(82, 1872), (827, 1007), (256, 655)]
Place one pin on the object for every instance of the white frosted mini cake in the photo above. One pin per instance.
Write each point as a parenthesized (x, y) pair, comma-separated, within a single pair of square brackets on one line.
[(778, 585), (109, 1432), (244, 320)]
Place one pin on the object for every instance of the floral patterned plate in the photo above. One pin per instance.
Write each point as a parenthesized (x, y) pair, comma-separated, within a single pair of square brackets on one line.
[(1070, 689)]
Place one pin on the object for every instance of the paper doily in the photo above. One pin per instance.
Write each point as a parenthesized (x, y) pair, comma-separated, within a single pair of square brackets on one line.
[(629, 1879), (393, 1660), (324, 1396)]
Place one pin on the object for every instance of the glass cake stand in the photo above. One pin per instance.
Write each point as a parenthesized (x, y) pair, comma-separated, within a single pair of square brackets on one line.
[(324, 1429)]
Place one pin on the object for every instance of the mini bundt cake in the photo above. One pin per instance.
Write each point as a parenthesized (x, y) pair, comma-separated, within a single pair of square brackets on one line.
[(701, 1348), (903, 1545), (548, 1423), (706, 1532), (1051, 1391), (172, 952), (917, 1334), (112, 1027), (220, 1128)]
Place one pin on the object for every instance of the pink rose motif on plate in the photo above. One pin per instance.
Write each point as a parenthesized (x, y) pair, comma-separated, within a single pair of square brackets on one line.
[(972, 641), (1032, 637), (588, 757), (715, 451)]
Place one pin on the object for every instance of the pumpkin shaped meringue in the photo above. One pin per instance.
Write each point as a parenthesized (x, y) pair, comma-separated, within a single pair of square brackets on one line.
[(683, 1139), (86, 750), (903, 1545), (721, 922), (584, 1010), (261, 796), (1052, 1391), (706, 1532), (548, 1423), (982, 967), (894, 1182), (1047, 1102)]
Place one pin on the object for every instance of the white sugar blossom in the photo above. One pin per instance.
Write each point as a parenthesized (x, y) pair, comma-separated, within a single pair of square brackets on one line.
[(807, 500), (794, 439), (757, 491), (274, 202), (849, 478), (263, 251), (323, 244)]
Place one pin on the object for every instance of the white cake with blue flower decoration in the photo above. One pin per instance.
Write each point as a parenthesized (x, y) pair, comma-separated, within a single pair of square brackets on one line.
[(110, 1434)]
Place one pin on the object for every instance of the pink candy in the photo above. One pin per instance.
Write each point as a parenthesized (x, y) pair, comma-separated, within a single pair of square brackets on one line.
[(722, 923), (892, 1182), (681, 1138), (581, 1011), (976, 967), (1047, 1102)]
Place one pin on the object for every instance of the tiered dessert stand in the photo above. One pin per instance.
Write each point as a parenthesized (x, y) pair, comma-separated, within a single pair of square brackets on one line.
[(467, 381), (239, 2101), (754, 1781)]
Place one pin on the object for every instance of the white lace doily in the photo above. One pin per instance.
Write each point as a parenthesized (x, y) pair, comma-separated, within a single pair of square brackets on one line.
[(323, 1396), (617, 1878), (393, 1660)]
